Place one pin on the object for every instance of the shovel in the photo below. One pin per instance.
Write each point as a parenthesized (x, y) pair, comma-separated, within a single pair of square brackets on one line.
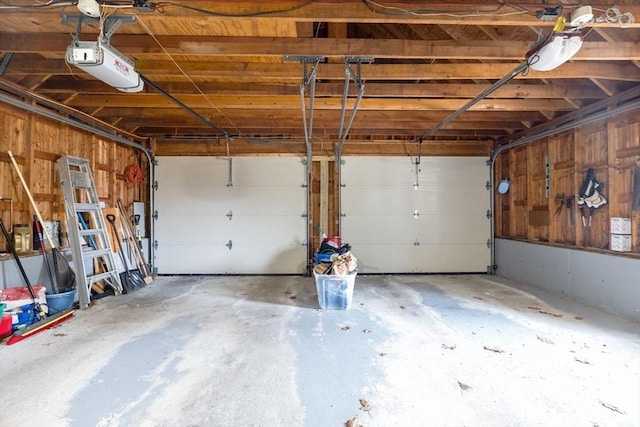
[(131, 279)]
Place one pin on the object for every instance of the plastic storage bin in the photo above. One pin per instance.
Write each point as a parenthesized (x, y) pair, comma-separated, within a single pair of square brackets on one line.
[(60, 302), (335, 292)]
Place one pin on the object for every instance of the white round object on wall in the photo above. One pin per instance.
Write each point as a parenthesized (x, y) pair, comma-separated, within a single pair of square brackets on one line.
[(503, 187)]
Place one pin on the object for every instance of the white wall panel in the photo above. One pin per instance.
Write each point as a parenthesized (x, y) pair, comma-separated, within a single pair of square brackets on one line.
[(439, 227), (266, 229)]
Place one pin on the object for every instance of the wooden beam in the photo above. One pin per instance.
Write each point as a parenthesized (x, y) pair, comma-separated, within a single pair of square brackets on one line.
[(144, 47), (291, 102), (469, 13), (160, 71), (391, 89)]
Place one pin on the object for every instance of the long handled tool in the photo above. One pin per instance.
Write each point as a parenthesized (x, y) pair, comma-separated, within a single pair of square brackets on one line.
[(142, 265), (65, 277), (131, 280), (43, 249), (42, 322)]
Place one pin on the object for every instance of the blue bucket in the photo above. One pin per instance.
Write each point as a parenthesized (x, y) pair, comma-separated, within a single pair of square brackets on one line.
[(60, 302)]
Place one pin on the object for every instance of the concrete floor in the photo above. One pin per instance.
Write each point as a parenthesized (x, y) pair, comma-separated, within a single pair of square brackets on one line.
[(417, 350)]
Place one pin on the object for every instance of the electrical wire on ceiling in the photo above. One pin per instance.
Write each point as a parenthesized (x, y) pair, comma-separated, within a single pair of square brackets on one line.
[(195, 85), (395, 11), (37, 5), (233, 15)]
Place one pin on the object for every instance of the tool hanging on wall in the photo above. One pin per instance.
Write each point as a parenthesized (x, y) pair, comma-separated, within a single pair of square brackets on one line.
[(569, 203), (560, 201), (589, 199), (635, 205)]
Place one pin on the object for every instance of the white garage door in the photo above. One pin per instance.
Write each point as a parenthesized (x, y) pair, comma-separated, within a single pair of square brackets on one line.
[(253, 226), (439, 226)]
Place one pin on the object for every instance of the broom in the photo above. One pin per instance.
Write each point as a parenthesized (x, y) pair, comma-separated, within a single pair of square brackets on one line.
[(65, 277)]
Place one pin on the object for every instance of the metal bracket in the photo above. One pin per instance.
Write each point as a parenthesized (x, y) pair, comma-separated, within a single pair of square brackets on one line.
[(489, 214), (489, 243), (5, 62), (229, 244), (155, 215), (307, 61), (358, 60), (229, 215), (155, 244), (309, 66), (416, 242), (488, 185), (155, 185), (357, 78), (110, 23)]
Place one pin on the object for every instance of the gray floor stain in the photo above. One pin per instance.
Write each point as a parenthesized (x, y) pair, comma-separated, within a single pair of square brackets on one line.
[(336, 362), (118, 389)]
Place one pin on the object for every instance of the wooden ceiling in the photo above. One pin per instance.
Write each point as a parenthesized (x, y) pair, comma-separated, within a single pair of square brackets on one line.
[(230, 64)]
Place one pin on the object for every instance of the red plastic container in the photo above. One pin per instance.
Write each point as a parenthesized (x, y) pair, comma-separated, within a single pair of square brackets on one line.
[(5, 326)]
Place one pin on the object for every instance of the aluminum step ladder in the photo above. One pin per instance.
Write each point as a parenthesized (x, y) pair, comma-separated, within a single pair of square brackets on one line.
[(81, 197)]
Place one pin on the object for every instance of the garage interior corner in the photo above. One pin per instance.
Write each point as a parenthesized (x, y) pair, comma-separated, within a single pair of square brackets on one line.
[(413, 350)]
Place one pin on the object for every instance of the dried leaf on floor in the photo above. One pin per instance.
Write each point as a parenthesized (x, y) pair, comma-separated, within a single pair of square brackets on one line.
[(578, 318), (494, 349), (586, 362), (533, 307), (463, 386), (346, 327), (613, 408), (367, 330), (449, 347), (402, 307), (353, 422), (544, 340), (364, 405), (383, 354), (292, 297)]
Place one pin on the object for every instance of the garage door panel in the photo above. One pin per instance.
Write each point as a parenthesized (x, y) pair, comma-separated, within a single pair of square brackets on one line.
[(408, 258), (267, 200), (260, 215), (441, 226), (193, 229), (274, 229), (379, 228), (405, 200), (382, 200), (467, 228), (277, 171), (378, 172), (189, 171), (194, 259), (459, 200), (191, 200)]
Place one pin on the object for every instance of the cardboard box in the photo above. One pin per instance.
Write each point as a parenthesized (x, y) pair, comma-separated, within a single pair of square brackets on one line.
[(620, 242), (620, 225)]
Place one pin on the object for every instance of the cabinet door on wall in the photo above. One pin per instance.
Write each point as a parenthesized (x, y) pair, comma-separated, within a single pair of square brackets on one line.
[(395, 226), (238, 217)]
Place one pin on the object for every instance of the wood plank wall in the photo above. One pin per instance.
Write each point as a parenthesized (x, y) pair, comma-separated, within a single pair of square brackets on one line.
[(37, 143), (610, 147)]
